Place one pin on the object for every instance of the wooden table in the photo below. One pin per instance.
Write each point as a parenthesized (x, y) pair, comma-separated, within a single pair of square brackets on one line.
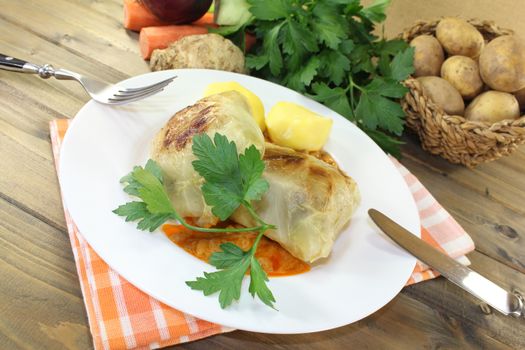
[(40, 300)]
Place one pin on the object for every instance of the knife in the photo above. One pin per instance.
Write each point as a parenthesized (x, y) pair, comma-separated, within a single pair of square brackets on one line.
[(471, 281)]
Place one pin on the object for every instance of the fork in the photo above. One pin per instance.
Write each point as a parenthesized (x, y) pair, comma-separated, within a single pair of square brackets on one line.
[(99, 91)]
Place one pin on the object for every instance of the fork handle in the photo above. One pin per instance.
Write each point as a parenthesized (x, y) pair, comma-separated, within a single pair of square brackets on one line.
[(21, 66), (17, 65)]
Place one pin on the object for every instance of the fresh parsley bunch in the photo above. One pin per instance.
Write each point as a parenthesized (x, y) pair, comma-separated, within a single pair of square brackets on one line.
[(231, 180), (326, 50)]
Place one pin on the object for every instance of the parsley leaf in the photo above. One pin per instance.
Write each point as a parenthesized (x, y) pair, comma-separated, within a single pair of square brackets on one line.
[(402, 64), (227, 282), (152, 192), (257, 62), (230, 179), (330, 27), (373, 105), (386, 87), (334, 65), (235, 263), (376, 11), (155, 209), (271, 46), (269, 9), (227, 30), (258, 279), (229, 256), (310, 70), (335, 98), (251, 168), (134, 211), (300, 36), (391, 47)]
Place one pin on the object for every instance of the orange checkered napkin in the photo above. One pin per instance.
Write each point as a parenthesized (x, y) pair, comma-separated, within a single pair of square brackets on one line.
[(122, 317)]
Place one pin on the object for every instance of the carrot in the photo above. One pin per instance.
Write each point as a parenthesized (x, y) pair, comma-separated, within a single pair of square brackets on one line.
[(206, 20), (249, 41), (152, 38), (137, 16)]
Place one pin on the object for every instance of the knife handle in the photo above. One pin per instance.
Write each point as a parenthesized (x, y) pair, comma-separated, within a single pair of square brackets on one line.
[(520, 304)]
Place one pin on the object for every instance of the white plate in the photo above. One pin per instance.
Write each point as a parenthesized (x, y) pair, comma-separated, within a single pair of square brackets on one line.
[(364, 272)]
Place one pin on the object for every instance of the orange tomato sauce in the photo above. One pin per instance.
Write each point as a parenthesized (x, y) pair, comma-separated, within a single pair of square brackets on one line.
[(274, 259)]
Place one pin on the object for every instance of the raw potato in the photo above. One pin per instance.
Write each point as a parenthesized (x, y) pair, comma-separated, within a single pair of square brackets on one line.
[(502, 64), (458, 37), (520, 96), (443, 94), (463, 73), (210, 51), (428, 55), (492, 107)]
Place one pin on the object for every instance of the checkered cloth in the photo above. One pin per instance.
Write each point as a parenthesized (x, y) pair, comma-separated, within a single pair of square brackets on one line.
[(123, 317)]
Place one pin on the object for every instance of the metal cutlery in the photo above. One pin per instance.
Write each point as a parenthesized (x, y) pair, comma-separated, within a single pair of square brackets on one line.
[(471, 281), (112, 94)]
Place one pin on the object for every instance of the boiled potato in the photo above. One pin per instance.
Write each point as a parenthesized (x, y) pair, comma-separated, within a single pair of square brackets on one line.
[(443, 94), (294, 126), (458, 37), (463, 73), (520, 96), (254, 102), (502, 64), (492, 107), (428, 55)]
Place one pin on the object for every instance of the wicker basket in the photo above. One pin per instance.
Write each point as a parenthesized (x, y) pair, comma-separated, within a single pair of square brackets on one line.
[(452, 137)]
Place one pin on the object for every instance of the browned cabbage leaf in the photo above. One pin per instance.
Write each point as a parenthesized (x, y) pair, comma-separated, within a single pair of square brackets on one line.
[(227, 113), (309, 201)]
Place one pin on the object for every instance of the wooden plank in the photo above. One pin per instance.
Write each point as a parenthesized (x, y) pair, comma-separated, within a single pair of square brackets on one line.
[(92, 37), (404, 323), (509, 279), (27, 176), (451, 301), (502, 179), (107, 8), (496, 229), (39, 293), (62, 98)]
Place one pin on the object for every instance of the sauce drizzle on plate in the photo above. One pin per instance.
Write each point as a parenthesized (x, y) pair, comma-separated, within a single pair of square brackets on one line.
[(274, 259)]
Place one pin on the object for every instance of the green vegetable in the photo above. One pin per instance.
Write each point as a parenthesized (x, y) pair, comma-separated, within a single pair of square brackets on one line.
[(234, 263), (326, 50), (231, 12), (231, 180)]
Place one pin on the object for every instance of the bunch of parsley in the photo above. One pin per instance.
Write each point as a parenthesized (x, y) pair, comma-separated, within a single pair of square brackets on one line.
[(230, 181), (326, 50)]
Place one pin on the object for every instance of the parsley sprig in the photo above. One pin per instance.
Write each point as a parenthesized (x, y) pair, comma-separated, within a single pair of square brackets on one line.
[(326, 49), (231, 180)]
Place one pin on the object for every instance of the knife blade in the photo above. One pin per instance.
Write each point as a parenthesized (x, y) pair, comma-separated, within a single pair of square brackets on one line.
[(471, 281)]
